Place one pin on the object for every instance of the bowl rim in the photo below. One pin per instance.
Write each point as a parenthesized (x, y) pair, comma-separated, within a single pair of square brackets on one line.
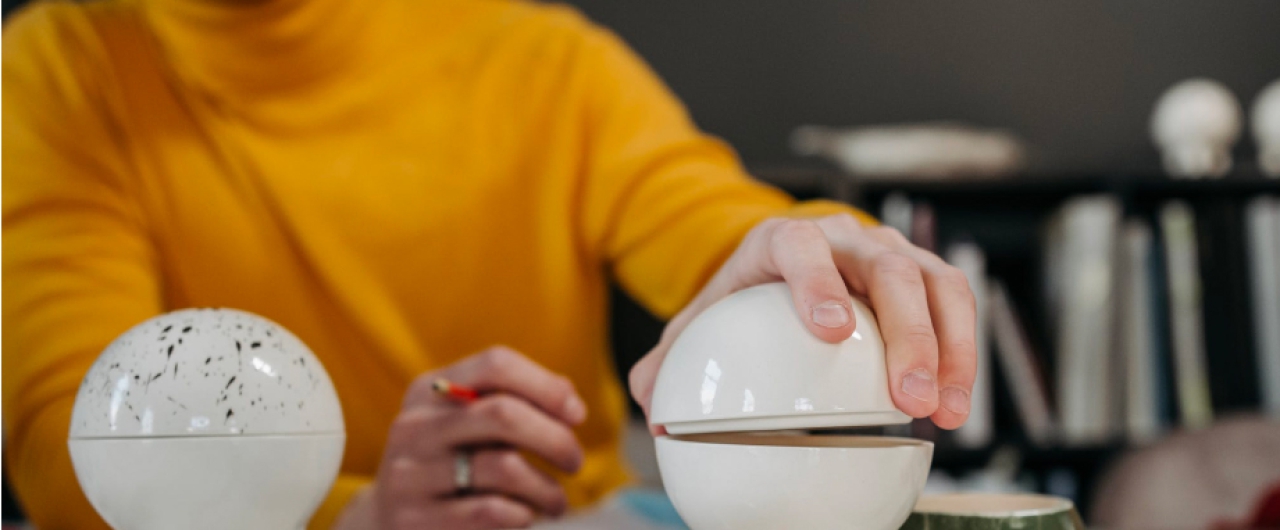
[(1055, 505), (215, 436), (796, 441)]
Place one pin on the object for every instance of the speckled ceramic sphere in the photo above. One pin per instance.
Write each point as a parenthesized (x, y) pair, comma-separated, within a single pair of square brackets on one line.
[(206, 418)]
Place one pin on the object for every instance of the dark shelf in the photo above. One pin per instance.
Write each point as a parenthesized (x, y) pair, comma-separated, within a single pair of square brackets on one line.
[(1058, 187)]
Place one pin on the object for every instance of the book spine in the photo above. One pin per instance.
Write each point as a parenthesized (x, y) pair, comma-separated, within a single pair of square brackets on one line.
[(1177, 222), (1262, 219), (979, 429)]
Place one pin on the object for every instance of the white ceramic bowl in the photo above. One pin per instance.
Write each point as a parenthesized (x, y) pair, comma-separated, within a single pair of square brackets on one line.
[(767, 482), (208, 418), (247, 482), (748, 363)]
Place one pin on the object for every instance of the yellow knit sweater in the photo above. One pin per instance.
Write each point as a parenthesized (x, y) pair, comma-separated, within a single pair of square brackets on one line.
[(401, 183)]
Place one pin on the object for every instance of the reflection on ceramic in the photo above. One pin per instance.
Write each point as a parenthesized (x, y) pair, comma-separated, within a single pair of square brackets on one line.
[(766, 482), (993, 511), (208, 418), (205, 372), (749, 363), (246, 482)]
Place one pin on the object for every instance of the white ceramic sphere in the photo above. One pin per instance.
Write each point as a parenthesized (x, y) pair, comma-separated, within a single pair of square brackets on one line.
[(766, 482), (749, 363), (206, 418), (1266, 128), (1195, 124)]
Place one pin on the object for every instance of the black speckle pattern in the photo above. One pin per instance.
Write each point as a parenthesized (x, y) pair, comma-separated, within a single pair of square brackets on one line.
[(183, 403)]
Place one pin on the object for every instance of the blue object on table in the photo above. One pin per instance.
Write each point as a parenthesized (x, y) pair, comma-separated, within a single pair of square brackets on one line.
[(653, 506)]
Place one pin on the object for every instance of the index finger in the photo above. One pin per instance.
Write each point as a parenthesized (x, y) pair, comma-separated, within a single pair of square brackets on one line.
[(896, 286), (501, 369)]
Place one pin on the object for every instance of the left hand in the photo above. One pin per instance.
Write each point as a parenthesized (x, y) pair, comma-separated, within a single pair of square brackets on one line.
[(925, 306)]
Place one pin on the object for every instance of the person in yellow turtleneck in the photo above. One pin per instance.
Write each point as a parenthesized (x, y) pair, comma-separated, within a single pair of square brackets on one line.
[(439, 187)]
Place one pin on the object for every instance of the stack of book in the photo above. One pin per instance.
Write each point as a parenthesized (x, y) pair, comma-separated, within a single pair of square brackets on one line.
[(1140, 310)]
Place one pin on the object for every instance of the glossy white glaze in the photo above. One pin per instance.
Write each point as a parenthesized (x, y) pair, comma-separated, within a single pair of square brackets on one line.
[(259, 482), (749, 363), (205, 372), (752, 482)]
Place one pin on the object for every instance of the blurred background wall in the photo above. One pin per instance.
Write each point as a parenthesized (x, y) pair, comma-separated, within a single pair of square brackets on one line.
[(1077, 79)]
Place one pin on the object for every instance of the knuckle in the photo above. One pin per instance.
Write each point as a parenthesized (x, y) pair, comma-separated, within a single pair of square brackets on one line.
[(846, 222), (768, 225), (497, 358), (892, 265), (889, 234), (508, 464), (399, 476), (411, 421), (796, 230), (921, 336), (499, 409), (955, 280), (965, 351), (561, 390), (408, 428), (488, 511)]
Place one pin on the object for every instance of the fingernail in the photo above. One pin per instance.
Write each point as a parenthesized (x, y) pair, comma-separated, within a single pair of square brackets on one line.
[(919, 384), (954, 399), (831, 315), (575, 410)]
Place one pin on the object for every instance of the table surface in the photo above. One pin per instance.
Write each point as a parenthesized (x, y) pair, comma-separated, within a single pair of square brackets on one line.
[(635, 509)]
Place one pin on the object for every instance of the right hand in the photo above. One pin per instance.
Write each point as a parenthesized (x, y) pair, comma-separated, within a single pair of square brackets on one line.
[(523, 406)]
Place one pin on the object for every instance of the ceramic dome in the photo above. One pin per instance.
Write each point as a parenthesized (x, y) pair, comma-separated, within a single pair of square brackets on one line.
[(748, 363), (205, 372)]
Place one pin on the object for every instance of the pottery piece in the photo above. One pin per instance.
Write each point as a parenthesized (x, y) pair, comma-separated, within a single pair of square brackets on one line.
[(748, 363), (749, 481), (206, 418), (993, 511)]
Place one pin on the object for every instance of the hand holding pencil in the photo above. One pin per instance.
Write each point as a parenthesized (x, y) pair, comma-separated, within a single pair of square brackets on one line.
[(454, 454)]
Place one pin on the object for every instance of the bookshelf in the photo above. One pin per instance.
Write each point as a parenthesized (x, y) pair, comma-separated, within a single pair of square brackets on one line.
[(1006, 218)]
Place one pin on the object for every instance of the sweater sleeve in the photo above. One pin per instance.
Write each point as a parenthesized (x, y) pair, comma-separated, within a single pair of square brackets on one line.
[(78, 265), (665, 203)]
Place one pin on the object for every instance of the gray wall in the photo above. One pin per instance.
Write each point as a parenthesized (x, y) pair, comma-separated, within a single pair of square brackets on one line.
[(1077, 78)]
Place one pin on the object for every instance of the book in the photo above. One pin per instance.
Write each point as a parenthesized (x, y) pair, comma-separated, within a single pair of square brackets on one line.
[(1020, 366), (1086, 238), (979, 429), (1225, 304), (1262, 226), (1136, 365), (924, 227), (895, 212), (1177, 222)]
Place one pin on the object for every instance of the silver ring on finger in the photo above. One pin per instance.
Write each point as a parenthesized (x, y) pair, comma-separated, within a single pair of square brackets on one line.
[(462, 472)]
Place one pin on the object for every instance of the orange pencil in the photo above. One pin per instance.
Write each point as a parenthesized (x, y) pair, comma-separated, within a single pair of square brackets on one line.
[(454, 391)]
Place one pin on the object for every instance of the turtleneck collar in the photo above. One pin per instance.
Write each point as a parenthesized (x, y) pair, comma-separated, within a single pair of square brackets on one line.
[(240, 49)]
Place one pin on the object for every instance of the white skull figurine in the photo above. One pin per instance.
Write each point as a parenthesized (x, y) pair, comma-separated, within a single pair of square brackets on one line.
[(1195, 124), (1266, 129)]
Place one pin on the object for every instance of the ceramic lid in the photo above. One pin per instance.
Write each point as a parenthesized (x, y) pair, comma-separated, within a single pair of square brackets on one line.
[(748, 363), (205, 372)]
